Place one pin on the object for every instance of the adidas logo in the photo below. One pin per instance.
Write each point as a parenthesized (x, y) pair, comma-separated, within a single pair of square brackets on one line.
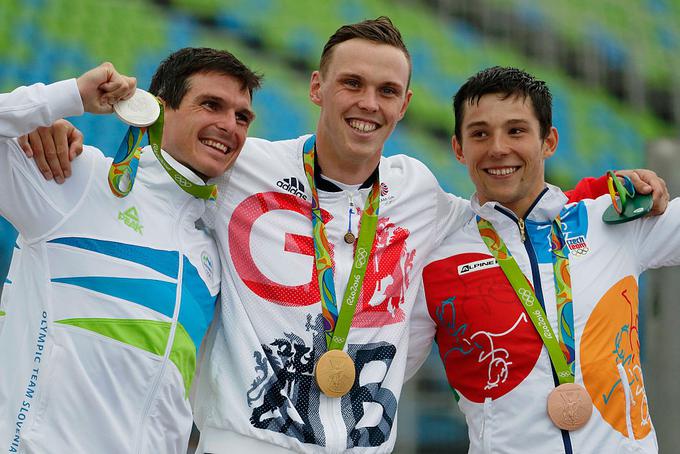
[(131, 218), (292, 185)]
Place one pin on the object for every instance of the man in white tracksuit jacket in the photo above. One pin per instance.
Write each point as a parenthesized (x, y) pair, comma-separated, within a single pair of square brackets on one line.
[(495, 359), (108, 299)]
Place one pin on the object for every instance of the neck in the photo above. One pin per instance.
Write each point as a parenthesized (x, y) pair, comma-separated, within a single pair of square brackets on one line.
[(519, 207), (176, 157), (344, 170)]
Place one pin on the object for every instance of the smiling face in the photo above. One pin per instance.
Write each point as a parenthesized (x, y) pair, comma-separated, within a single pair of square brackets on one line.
[(502, 147), (363, 93), (208, 129)]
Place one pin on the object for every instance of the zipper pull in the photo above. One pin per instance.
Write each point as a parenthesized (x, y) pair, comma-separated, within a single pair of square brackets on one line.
[(522, 233)]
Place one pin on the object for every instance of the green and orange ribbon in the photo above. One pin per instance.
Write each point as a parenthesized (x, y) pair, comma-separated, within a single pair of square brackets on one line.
[(337, 323), (561, 351)]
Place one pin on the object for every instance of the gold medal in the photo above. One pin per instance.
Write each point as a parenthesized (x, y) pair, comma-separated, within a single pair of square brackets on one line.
[(569, 406), (335, 373), (349, 238)]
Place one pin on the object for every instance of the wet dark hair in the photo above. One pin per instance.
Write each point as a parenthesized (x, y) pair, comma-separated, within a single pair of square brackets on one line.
[(507, 82), (171, 79)]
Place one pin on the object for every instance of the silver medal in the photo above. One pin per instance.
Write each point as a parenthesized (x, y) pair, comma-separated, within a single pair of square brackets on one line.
[(141, 110)]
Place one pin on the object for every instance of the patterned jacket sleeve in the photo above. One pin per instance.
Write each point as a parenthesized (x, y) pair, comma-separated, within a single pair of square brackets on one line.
[(588, 188)]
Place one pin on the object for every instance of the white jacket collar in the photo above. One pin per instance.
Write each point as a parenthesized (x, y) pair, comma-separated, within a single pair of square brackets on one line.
[(545, 208), (153, 174)]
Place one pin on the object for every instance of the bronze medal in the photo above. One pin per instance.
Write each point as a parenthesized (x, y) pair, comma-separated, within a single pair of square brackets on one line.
[(569, 406), (349, 238), (335, 373)]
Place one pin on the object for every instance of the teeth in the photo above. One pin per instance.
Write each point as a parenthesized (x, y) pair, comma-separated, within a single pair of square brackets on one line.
[(363, 126), (502, 171), (220, 146)]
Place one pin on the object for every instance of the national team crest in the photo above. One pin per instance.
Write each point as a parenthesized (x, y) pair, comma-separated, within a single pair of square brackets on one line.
[(577, 245)]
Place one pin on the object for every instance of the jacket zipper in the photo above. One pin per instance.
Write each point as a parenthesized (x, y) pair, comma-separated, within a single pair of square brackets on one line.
[(171, 339), (538, 290)]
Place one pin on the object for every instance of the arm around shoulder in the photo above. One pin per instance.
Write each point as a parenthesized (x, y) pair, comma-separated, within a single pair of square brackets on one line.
[(28, 108), (32, 204)]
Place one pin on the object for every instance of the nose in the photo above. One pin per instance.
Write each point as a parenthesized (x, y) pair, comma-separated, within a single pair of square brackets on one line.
[(499, 147), (368, 101), (227, 122)]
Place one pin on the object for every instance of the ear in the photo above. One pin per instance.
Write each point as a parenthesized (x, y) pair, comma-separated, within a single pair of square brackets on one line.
[(457, 149), (550, 143), (404, 106), (315, 88)]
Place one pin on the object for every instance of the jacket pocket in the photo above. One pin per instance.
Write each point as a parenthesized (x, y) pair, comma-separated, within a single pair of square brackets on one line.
[(92, 393), (487, 425)]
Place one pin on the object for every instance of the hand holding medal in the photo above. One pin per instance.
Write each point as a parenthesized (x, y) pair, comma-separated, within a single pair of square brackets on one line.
[(103, 86), (626, 205)]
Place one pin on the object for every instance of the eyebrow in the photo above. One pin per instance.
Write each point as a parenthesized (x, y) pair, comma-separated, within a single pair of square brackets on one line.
[(482, 123), (391, 83), (248, 113), (218, 99), (476, 124)]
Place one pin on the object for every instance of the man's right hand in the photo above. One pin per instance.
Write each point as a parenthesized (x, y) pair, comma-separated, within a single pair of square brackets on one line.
[(53, 149), (102, 87)]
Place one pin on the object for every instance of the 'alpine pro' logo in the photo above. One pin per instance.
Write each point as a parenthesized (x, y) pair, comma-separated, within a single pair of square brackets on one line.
[(479, 265), (292, 185)]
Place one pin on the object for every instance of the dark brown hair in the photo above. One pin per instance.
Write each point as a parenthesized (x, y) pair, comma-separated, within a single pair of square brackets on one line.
[(171, 79), (380, 30), (505, 81)]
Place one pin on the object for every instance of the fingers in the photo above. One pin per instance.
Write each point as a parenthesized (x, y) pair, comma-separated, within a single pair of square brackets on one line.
[(54, 147), (39, 154), (103, 86), (660, 194), (50, 148), (25, 146), (641, 186), (646, 182), (118, 88), (60, 137), (75, 139)]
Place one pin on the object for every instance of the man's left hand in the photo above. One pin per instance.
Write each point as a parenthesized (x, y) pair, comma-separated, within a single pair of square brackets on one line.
[(647, 181)]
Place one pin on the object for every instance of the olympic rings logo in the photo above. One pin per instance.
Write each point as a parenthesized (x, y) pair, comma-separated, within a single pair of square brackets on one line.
[(360, 257), (180, 180), (580, 251), (526, 296)]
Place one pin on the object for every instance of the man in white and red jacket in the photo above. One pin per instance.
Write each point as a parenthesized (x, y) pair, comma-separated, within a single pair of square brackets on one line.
[(494, 357)]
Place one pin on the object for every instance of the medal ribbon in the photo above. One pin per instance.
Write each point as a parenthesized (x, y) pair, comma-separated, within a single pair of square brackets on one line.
[(337, 325), (124, 167), (561, 352)]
